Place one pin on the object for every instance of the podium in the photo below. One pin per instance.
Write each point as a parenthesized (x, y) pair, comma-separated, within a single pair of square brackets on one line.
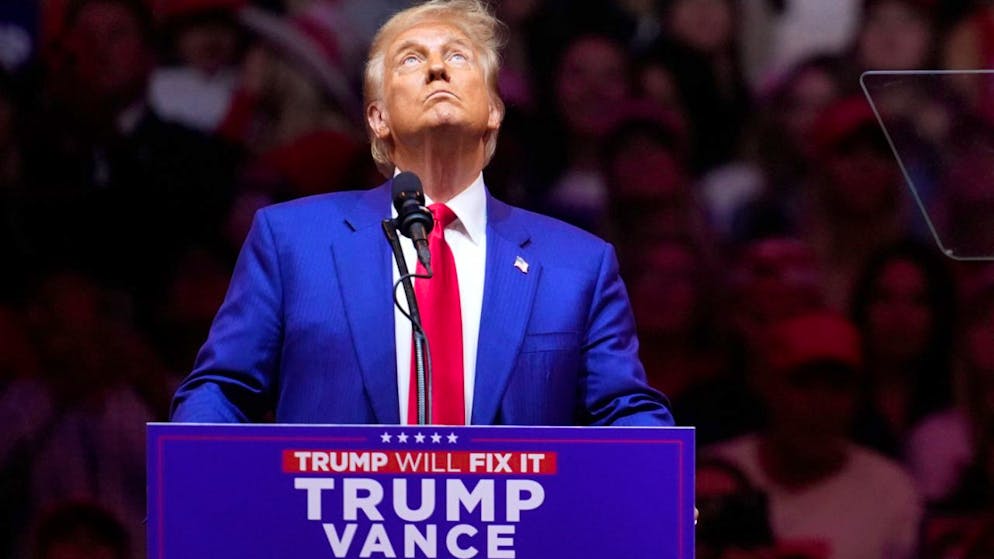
[(398, 491)]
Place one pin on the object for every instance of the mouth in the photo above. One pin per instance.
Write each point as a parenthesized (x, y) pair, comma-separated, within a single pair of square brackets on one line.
[(441, 93)]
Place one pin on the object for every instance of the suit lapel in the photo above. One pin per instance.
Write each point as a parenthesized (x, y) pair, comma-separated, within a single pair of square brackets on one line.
[(363, 263), (508, 293)]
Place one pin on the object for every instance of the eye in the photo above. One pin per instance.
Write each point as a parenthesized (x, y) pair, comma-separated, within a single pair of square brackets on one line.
[(409, 60), (458, 57)]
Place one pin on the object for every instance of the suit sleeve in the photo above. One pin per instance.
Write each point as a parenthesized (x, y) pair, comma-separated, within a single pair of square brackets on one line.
[(614, 390), (235, 372)]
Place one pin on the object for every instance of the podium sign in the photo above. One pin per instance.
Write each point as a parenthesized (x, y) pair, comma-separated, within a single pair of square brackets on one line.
[(279, 491)]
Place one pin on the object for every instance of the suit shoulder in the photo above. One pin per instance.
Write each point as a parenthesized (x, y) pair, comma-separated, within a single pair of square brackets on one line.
[(557, 234), (324, 205)]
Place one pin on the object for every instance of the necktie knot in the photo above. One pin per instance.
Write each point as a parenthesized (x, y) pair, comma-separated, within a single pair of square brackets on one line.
[(443, 215)]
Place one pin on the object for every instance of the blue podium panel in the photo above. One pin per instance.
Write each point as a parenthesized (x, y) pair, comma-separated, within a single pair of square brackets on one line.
[(281, 491)]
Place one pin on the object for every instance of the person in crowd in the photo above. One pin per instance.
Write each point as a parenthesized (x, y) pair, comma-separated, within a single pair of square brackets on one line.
[(949, 453), (675, 304), (700, 47), (104, 383), (187, 306), (759, 195), (962, 208), (896, 35), (521, 89), (644, 164), (654, 82), (195, 82), (904, 303), (548, 338), (516, 75), (78, 530), (854, 203), (113, 178), (826, 494), (771, 280), (734, 515), (779, 35), (591, 84), (969, 46), (294, 112), (25, 412)]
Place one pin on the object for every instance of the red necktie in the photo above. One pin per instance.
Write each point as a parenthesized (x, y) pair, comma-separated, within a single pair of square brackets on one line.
[(441, 317)]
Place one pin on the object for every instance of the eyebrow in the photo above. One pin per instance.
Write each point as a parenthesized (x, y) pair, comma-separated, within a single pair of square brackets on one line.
[(412, 44)]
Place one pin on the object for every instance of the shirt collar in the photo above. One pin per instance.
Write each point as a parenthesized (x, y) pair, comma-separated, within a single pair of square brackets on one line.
[(470, 207)]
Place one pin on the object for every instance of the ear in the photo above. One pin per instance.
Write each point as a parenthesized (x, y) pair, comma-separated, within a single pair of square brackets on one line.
[(495, 117), (378, 120)]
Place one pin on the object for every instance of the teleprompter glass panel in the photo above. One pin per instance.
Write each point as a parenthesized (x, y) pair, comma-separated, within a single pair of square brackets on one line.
[(940, 126)]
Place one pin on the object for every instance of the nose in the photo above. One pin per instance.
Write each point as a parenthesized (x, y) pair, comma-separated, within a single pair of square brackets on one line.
[(436, 69)]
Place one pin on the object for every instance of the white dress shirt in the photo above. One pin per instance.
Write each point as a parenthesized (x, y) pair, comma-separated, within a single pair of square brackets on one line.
[(467, 237)]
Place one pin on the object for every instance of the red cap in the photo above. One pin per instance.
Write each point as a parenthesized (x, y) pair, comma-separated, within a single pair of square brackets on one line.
[(314, 162), (839, 122), (926, 8), (167, 9), (811, 338)]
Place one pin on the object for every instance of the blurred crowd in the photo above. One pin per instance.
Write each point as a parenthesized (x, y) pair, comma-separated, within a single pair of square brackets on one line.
[(791, 296)]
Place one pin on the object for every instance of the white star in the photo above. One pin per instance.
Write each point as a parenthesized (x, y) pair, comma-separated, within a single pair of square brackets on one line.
[(385, 437), (452, 438), (402, 438), (436, 438), (419, 438)]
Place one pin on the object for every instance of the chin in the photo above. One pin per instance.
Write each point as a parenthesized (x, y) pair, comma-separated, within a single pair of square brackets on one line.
[(446, 116)]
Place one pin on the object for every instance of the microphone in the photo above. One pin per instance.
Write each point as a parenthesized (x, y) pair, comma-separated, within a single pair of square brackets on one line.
[(413, 219)]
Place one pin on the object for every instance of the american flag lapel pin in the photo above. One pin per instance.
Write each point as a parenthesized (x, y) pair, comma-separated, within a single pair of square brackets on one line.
[(521, 265)]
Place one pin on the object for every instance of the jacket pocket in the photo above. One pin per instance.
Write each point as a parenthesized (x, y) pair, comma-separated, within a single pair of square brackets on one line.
[(550, 341)]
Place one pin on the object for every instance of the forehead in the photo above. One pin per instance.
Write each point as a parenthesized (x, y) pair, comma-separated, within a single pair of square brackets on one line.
[(431, 33), (100, 14), (103, 8)]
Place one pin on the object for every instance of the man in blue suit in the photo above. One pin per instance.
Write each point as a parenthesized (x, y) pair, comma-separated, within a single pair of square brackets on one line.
[(542, 324)]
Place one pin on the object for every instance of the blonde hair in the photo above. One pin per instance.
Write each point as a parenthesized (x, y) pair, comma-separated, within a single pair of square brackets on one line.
[(474, 19)]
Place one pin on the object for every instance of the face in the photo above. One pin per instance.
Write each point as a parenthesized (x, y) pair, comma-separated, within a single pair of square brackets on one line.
[(592, 80), (645, 169), (657, 84), (864, 181), (811, 92), (894, 37), (110, 57), (900, 323), (434, 81), (812, 406), (782, 281), (665, 296), (703, 24), (208, 47)]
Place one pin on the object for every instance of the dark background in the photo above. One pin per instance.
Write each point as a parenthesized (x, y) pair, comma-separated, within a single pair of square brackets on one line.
[(724, 147)]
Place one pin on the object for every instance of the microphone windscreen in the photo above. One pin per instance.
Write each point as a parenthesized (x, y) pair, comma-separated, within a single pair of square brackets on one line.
[(407, 186)]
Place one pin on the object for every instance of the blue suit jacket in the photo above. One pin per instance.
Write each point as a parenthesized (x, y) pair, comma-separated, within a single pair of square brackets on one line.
[(307, 326)]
